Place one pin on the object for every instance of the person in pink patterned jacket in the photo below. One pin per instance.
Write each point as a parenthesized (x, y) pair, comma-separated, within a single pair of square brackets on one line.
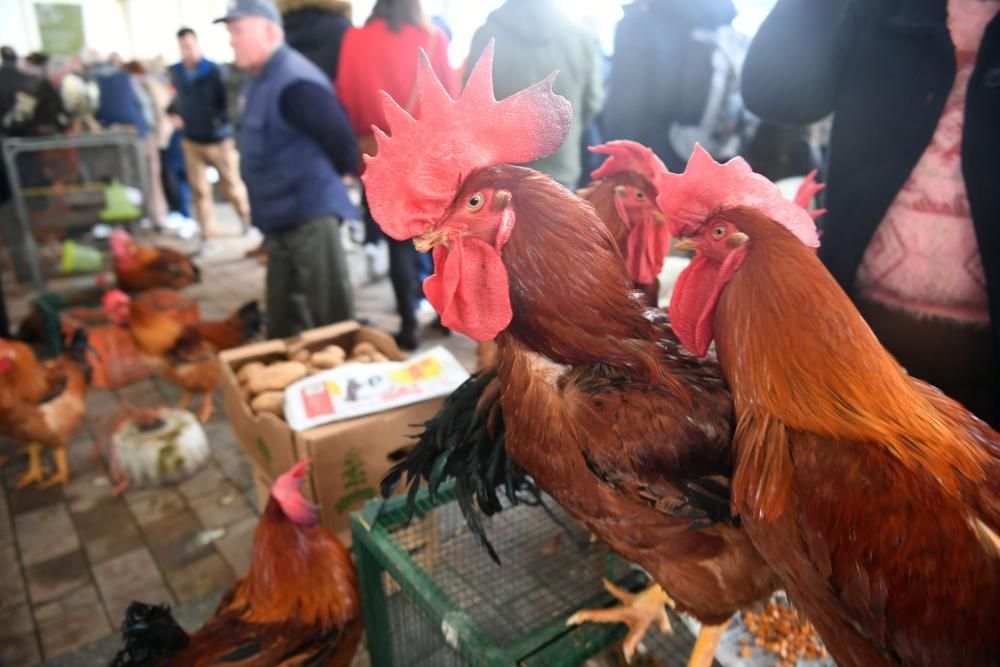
[(913, 225)]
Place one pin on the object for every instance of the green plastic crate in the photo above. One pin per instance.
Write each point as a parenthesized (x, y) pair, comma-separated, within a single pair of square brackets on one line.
[(47, 309), (433, 598)]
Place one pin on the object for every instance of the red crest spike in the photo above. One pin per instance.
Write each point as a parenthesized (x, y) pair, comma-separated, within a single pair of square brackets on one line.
[(420, 164), (626, 155), (689, 199)]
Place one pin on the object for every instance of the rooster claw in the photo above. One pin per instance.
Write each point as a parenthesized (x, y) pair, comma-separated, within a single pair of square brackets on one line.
[(36, 470), (207, 408), (30, 477), (121, 487), (61, 475), (638, 611), (56, 478)]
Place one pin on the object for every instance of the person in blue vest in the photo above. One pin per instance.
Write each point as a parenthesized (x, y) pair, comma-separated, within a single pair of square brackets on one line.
[(296, 142)]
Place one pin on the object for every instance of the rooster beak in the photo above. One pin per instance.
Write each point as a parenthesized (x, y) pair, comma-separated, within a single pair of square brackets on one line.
[(736, 239), (686, 245), (428, 240), (659, 218)]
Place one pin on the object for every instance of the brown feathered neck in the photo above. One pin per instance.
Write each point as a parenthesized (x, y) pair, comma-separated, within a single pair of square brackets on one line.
[(25, 377), (795, 349), (571, 297), (300, 572), (601, 195)]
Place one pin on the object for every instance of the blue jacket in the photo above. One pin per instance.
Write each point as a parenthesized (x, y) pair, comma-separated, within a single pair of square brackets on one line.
[(201, 101), (289, 178), (884, 68), (119, 103)]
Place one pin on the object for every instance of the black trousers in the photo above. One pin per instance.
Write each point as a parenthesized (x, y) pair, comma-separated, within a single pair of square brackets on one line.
[(307, 279), (402, 270)]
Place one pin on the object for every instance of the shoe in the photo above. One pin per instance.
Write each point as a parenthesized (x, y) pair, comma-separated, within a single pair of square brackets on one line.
[(408, 339), (208, 249), (173, 221), (440, 328), (188, 229)]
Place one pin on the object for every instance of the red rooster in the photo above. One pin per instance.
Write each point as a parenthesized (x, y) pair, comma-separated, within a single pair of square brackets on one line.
[(874, 497), (143, 267), (297, 605), (42, 404), (600, 405), (624, 195), (184, 354)]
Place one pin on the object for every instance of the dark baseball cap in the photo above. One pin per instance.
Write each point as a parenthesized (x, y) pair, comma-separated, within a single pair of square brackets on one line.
[(240, 8)]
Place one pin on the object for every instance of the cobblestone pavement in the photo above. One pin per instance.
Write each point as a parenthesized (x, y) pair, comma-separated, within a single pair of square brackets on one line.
[(73, 558)]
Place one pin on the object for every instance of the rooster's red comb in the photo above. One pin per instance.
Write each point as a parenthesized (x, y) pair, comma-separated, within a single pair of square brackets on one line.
[(420, 165), (114, 298), (286, 492), (625, 155), (689, 199)]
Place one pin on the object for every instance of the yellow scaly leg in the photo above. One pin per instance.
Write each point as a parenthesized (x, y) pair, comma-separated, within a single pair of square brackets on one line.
[(708, 640), (36, 471), (61, 475), (205, 413)]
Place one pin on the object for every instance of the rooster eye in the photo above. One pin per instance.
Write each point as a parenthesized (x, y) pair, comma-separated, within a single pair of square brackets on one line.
[(476, 202), (639, 194), (719, 232)]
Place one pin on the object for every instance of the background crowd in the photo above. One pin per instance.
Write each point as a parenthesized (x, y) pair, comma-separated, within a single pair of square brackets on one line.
[(896, 102)]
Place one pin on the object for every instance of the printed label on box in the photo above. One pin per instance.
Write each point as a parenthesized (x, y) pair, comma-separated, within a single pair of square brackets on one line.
[(356, 389), (317, 401)]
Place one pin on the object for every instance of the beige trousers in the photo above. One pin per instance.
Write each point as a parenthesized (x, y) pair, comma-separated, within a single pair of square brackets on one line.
[(157, 200), (223, 156)]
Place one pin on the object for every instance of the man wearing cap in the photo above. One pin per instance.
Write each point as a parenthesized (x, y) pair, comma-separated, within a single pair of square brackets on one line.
[(295, 142)]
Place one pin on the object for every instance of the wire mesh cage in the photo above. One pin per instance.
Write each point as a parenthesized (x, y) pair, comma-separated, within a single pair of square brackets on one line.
[(433, 597), (58, 183)]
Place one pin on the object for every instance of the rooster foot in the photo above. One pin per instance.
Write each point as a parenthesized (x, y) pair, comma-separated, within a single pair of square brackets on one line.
[(121, 487), (207, 408), (36, 471), (638, 611), (61, 475), (121, 478)]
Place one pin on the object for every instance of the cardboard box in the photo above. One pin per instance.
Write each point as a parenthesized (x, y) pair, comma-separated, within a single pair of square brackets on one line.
[(263, 487), (350, 457)]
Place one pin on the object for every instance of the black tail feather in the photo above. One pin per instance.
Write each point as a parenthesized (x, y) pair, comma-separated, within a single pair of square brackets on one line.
[(464, 441), (251, 318), (79, 345), (149, 633)]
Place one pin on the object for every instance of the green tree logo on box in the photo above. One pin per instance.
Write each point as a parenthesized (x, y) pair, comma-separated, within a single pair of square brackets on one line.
[(355, 482)]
